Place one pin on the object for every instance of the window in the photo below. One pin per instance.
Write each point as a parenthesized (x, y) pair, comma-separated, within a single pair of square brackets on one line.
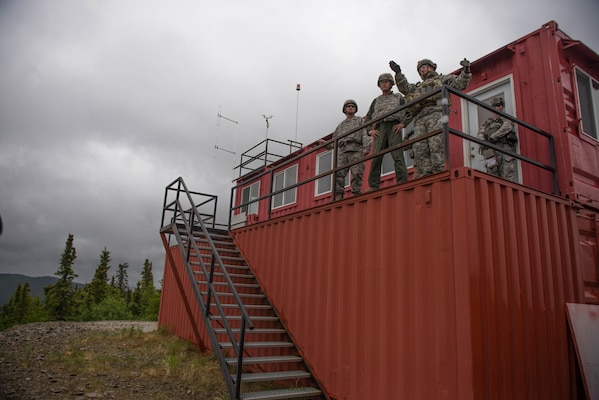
[(588, 100), (324, 163), (250, 193), (282, 180)]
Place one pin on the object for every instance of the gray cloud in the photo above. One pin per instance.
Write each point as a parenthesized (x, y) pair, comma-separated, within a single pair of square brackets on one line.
[(103, 103)]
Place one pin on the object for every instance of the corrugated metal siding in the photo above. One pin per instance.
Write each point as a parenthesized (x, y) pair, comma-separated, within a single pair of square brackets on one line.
[(179, 312), (453, 288)]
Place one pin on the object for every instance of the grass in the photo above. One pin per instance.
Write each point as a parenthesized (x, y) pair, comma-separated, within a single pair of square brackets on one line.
[(130, 363)]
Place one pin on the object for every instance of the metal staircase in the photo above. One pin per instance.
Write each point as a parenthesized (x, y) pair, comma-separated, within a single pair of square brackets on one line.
[(250, 342)]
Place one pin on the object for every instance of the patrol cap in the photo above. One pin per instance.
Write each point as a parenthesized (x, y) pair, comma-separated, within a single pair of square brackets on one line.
[(425, 61), (497, 101), (350, 101), (385, 77)]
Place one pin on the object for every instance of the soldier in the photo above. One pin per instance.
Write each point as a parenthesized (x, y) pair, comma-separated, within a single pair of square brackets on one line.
[(499, 131), (349, 149), (387, 132), (429, 155)]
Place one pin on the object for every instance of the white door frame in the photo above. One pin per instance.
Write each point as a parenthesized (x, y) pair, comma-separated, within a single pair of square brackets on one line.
[(473, 115)]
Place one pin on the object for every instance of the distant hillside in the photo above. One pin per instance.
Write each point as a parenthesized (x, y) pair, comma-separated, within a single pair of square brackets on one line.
[(9, 283)]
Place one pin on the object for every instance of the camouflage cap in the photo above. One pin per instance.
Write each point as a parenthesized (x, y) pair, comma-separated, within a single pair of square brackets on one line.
[(350, 101), (425, 61), (386, 77)]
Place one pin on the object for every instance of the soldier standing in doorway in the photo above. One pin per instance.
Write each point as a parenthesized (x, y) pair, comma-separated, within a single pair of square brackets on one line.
[(500, 132)]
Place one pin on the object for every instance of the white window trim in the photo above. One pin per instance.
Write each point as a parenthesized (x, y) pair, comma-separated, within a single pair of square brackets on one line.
[(249, 209), (318, 172), (284, 173), (594, 102)]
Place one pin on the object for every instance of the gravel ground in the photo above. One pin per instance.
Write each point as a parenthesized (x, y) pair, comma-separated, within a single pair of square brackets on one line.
[(39, 361)]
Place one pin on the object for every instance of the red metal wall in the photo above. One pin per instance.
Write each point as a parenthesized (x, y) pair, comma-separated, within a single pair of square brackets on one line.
[(542, 64), (453, 288), (179, 312)]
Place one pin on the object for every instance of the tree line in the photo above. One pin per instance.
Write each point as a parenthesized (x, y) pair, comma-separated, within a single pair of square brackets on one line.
[(103, 298)]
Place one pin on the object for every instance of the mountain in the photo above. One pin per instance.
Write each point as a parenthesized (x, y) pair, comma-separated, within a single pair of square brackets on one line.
[(9, 283)]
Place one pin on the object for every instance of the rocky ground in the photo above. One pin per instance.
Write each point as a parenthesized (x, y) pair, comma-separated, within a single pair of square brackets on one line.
[(97, 360)]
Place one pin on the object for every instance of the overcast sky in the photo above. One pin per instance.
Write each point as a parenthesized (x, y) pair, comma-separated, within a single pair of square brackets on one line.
[(103, 103)]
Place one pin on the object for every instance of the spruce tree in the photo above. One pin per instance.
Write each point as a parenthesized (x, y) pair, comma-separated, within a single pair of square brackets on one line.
[(147, 277), (59, 295), (98, 289), (145, 300), (122, 280)]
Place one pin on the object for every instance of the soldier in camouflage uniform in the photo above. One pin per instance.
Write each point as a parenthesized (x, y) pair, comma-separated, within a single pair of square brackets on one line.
[(387, 132), (349, 149), (500, 132), (429, 155)]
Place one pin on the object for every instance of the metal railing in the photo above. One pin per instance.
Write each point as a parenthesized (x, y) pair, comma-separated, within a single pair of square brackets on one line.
[(263, 154), (446, 131), (181, 216)]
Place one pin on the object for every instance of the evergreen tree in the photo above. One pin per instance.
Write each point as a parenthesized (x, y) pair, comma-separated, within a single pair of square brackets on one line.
[(147, 277), (21, 308), (23, 303), (145, 300), (97, 290), (59, 295), (122, 280)]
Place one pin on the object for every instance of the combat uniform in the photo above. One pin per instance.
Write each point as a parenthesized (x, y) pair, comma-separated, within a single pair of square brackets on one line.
[(495, 130), (349, 149), (387, 138), (429, 155)]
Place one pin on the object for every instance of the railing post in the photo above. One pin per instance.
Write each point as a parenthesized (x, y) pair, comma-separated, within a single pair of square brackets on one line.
[(334, 171), (240, 359), (445, 121), (270, 199)]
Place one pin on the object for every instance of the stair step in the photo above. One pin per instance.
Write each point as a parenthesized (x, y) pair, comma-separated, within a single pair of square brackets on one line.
[(281, 394), (216, 241), (247, 306), (228, 345), (272, 376), (227, 266), (247, 295), (228, 258), (202, 245), (240, 276), (218, 236), (238, 285), (264, 360), (248, 331), (253, 318)]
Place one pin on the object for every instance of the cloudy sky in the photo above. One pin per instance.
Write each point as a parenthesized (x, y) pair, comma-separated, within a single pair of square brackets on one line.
[(105, 102)]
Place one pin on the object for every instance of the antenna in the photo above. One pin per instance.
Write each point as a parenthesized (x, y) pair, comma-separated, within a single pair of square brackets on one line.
[(266, 118), (219, 116), (298, 87)]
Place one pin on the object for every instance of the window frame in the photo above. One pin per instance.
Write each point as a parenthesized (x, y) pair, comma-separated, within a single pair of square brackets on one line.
[(323, 180), (284, 196), (587, 102), (249, 208), (328, 177)]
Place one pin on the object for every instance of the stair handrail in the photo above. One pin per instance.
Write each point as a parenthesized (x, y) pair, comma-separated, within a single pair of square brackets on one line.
[(180, 215)]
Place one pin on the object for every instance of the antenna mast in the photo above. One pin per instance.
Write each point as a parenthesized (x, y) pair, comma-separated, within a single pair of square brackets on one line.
[(297, 88), (219, 116), (266, 118)]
